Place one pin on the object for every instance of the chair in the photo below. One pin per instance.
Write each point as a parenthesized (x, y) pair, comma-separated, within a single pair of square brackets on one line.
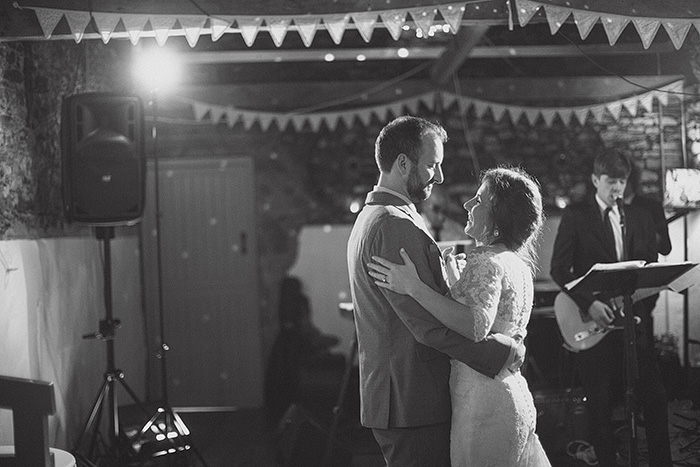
[(31, 403)]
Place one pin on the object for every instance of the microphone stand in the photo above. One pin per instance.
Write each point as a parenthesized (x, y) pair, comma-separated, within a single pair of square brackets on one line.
[(630, 349)]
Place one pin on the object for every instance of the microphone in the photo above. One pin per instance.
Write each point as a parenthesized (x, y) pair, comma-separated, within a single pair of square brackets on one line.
[(620, 208)]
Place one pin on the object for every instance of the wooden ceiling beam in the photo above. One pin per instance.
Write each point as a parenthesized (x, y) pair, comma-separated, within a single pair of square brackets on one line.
[(446, 61), (456, 53)]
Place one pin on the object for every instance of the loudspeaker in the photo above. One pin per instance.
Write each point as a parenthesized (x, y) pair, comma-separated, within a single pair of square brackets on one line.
[(104, 168)]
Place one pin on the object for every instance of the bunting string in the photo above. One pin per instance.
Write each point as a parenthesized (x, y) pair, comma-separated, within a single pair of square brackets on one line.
[(215, 114), (676, 28), (162, 26)]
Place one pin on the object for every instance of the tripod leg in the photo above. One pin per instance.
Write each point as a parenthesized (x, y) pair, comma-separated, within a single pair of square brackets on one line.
[(93, 421)]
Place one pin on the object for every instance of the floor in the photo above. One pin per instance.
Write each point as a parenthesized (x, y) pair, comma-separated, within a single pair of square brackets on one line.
[(242, 439), (300, 436)]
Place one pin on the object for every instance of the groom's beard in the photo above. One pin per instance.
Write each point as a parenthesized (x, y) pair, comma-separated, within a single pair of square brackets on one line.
[(416, 189)]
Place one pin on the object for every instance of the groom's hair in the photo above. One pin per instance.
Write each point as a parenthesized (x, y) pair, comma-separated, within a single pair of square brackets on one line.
[(404, 135)]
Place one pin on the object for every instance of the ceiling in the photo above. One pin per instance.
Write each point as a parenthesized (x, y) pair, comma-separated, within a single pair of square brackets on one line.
[(486, 57)]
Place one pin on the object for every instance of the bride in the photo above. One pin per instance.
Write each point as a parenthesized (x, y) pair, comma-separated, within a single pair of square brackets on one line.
[(493, 420)]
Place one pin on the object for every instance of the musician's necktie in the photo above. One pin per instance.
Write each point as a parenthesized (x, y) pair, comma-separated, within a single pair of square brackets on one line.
[(609, 235)]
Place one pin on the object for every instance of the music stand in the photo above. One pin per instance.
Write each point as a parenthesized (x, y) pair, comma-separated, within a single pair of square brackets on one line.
[(632, 280)]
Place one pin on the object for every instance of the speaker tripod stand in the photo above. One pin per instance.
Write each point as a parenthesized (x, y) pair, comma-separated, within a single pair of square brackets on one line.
[(116, 450)]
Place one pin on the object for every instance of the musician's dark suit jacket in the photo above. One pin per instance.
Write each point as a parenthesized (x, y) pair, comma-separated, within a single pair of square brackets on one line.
[(580, 243)]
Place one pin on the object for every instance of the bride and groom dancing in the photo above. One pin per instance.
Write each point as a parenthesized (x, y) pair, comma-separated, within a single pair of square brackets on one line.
[(439, 338)]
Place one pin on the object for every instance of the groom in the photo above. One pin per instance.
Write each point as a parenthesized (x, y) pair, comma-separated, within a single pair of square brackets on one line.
[(404, 352)]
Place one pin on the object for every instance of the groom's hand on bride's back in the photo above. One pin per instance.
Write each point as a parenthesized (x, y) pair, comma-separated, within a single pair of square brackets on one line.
[(518, 355), (516, 358)]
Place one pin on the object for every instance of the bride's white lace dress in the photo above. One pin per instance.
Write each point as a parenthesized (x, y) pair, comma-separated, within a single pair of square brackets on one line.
[(493, 420)]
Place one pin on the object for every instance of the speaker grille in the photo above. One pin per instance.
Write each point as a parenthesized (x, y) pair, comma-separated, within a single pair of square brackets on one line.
[(103, 159)]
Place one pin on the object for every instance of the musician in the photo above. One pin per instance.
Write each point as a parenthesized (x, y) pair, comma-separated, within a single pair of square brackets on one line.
[(581, 241)]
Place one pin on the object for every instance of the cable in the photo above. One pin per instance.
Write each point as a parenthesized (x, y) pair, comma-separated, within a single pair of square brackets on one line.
[(375, 89), (465, 129), (610, 72)]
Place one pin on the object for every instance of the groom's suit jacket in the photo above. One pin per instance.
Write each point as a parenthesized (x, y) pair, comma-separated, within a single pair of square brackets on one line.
[(403, 350)]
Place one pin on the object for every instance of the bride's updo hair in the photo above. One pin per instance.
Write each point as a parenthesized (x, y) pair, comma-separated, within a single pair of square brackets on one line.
[(516, 209)]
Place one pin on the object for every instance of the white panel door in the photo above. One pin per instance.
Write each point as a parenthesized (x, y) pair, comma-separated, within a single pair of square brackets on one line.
[(211, 317)]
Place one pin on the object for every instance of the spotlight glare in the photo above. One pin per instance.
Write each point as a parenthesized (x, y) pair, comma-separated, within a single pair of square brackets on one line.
[(329, 57), (402, 52), (157, 69)]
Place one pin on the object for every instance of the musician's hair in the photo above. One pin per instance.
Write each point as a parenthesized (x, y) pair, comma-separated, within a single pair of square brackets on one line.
[(614, 164)]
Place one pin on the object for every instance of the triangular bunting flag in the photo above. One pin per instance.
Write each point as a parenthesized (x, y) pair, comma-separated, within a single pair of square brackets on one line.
[(581, 114), (413, 104), (662, 97), (614, 25), (532, 115), (232, 117), (614, 108), (192, 25), (200, 110), (598, 112), (498, 111), (48, 19), (676, 87), (278, 28), (105, 24), (423, 17), (265, 120), (335, 25), (134, 25), (677, 31), (216, 112), (647, 29), (383, 114), (548, 116), (332, 121), (393, 21), (463, 104), (365, 116), (315, 122), (647, 101), (481, 107), (452, 14), (219, 25), (348, 118), (526, 10), (396, 109), (297, 122), (162, 24), (584, 22), (307, 28), (365, 23), (631, 105), (556, 16), (248, 120), (249, 26), (77, 22), (448, 99)]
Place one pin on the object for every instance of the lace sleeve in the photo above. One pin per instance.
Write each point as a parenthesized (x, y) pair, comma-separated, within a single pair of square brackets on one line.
[(479, 289)]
